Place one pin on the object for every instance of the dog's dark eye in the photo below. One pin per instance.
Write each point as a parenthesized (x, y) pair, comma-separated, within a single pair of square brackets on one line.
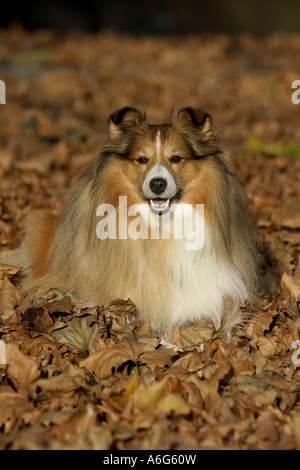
[(175, 159), (142, 160)]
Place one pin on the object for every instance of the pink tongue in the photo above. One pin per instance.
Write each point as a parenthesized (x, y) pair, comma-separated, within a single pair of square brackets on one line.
[(160, 203)]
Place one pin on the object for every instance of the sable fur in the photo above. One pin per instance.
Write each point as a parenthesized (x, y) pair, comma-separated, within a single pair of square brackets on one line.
[(168, 284)]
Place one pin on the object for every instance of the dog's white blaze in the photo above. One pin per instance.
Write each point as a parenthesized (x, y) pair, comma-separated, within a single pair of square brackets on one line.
[(158, 146)]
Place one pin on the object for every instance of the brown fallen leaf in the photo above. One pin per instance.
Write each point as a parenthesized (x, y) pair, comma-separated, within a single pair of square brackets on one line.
[(291, 222), (259, 323), (250, 384), (156, 400), (34, 346), (10, 296), (102, 363), (291, 285), (267, 433), (297, 270), (194, 335), (10, 270), (217, 374), (21, 369), (290, 237), (205, 388), (149, 339), (65, 384), (61, 305), (12, 406), (296, 430), (172, 402), (156, 358), (77, 424), (173, 338), (191, 361), (78, 333), (143, 330), (269, 345), (242, 362), (38, 164), (262, 363), (118, 307)]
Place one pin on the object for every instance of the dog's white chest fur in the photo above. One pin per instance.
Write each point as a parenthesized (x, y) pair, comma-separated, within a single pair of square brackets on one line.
[(201, 282), (179, 286)]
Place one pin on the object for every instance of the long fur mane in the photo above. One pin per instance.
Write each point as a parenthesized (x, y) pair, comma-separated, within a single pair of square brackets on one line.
[(168, 284)]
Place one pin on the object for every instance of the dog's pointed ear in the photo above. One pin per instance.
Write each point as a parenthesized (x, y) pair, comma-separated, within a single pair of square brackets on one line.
[(192, 118), (124, 119)]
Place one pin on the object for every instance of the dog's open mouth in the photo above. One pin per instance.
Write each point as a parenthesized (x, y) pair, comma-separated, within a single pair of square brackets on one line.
[(160, 206)]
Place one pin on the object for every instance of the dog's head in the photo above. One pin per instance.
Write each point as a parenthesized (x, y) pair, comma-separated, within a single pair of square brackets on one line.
[(160, 164)]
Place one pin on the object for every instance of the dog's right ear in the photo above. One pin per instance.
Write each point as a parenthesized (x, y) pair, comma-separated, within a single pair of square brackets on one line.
[(123, 120), (187, 118)]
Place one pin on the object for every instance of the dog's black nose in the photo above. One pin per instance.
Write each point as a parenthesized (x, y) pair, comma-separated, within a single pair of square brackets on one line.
[(158, 185)]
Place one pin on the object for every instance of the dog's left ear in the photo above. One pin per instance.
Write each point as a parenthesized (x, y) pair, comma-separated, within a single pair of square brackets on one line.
[(192, 118), (124, 119)]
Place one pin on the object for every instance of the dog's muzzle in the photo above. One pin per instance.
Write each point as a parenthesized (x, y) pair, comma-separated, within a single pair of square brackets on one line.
[(159, 188)]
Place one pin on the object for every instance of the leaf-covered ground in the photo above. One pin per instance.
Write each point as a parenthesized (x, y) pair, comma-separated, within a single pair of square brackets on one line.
[(74, 377)]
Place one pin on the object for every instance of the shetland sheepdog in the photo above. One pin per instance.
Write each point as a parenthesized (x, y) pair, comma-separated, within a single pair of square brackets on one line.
[(158, 168)]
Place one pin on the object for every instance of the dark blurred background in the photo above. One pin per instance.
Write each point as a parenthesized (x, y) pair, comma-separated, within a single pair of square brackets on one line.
[(155, 17)]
